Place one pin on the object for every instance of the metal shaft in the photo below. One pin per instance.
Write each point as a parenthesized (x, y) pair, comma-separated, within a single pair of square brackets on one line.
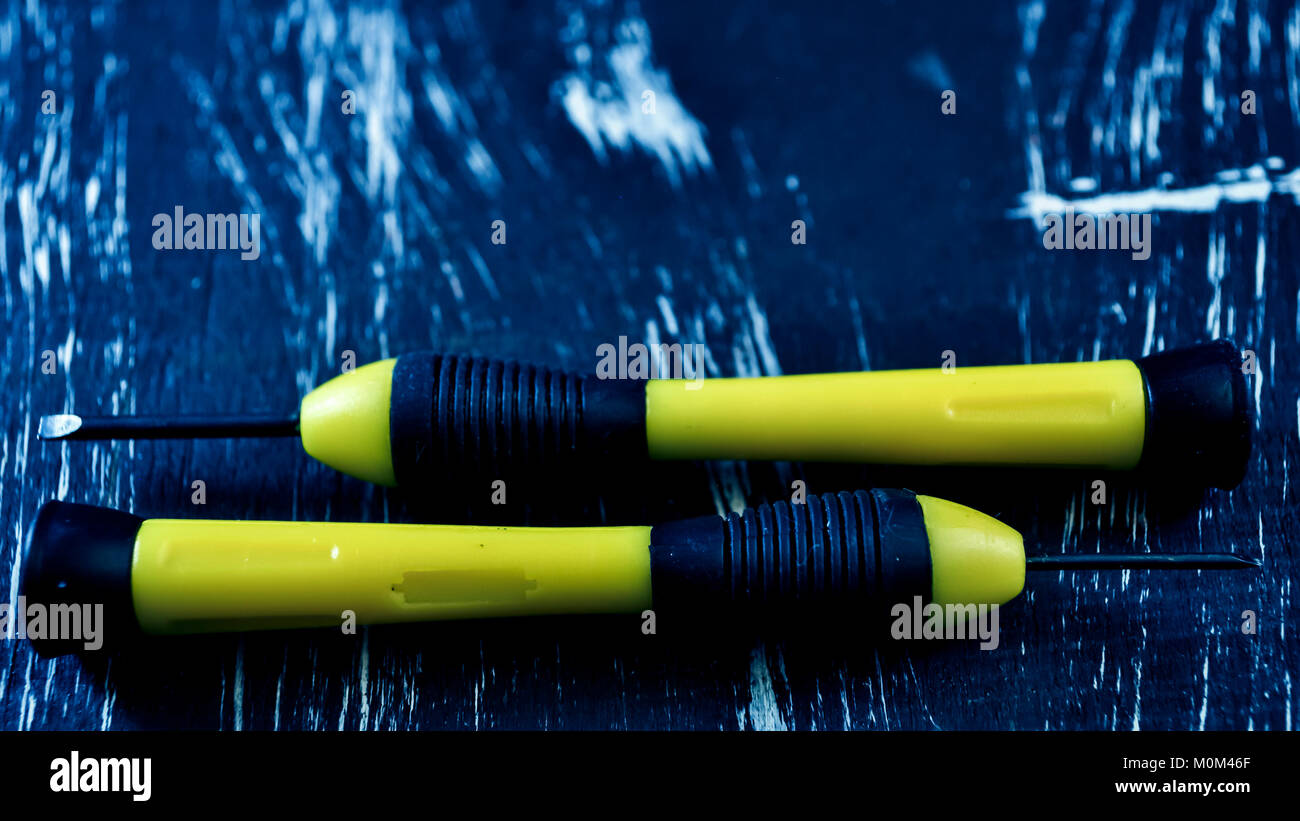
[(66, 426), (1141, 561)]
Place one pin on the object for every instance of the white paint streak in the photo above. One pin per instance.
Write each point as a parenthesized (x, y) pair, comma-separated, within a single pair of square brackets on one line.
[(608, 103), (1252, 184), (764, 712)]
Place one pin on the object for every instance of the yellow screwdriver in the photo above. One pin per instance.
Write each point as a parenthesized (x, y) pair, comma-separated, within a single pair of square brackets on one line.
[(423, 417), (839, 553)]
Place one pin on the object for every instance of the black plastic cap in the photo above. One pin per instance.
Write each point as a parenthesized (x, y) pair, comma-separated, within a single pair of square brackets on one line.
[(80, 556), (1198, 414)]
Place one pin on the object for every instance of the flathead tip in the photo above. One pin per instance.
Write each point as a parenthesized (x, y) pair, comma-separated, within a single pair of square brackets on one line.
[(58, 426)]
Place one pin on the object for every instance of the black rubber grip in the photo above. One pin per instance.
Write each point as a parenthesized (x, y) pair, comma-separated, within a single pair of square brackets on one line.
[(459, 416), (833, 550)]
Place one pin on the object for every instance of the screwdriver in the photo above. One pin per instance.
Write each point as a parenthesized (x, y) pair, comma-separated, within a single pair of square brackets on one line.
[(839, 552), (424, 416)]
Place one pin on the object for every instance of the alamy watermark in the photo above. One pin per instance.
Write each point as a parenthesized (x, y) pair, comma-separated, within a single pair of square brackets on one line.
[(56, 622), (208, 232), (1098, 232), (638, 361), (946, 621), (77, 774)]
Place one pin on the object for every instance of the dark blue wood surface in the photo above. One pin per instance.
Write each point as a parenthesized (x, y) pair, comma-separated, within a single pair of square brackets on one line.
[(376, 239)]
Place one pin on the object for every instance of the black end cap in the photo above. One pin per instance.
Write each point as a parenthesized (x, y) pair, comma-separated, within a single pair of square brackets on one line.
[(80, 556), (1198, 414)]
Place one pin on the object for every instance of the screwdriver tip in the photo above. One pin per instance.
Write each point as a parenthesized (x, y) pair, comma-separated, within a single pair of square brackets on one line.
[(1141, 561), (58, 426), (64, 426)]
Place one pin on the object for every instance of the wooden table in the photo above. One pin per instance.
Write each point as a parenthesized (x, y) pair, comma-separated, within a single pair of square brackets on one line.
[(672, 226)]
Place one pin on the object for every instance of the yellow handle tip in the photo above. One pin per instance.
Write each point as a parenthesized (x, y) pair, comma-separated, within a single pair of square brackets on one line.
[(975, 559), (344, 423)]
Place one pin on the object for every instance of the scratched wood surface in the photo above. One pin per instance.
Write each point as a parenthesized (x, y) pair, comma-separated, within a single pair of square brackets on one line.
[(671, 227)]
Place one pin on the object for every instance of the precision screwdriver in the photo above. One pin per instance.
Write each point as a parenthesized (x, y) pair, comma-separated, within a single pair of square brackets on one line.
[(422, 417), (841, 552)]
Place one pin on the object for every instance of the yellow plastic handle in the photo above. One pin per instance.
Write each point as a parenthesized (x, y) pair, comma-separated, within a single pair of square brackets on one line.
[(1077, 414), (192, 576)]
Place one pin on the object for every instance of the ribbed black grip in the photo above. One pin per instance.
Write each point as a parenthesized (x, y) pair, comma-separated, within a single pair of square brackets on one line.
[(833, 549), (455, 417)]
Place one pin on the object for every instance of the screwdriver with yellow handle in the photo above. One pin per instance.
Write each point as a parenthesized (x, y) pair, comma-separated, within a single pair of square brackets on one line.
[(422, 416), (836, 553)]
